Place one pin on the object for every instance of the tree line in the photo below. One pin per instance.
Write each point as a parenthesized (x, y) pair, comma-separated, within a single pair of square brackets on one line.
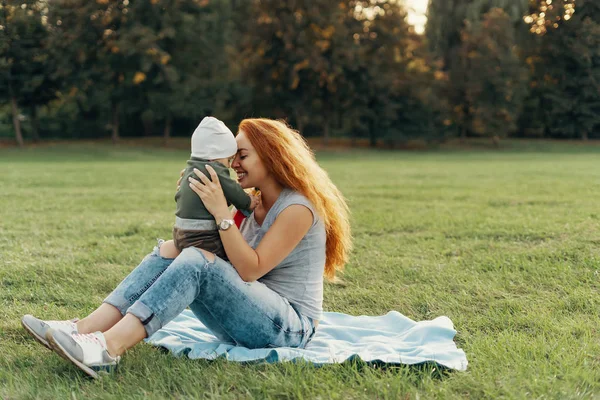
[(352, 68)]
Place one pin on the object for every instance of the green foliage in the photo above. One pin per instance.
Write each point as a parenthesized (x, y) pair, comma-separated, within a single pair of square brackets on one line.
[(565, 69), (92, 65), (351, 67), (397, 99), (489, 77), (181, 59), (477, 44), (296, 56), (344, 68), (446, 19), (26, 62)]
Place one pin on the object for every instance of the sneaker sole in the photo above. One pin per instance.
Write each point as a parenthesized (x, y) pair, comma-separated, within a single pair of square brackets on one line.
[(35, 335), (63, 353)]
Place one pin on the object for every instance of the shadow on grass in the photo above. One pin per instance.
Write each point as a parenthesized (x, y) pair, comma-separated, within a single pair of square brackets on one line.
[(413, 373)]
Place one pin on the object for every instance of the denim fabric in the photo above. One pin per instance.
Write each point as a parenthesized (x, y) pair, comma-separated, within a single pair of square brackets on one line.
[(248, 314)]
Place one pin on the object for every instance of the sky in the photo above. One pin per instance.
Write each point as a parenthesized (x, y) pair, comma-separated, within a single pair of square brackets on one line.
[(416, 14)]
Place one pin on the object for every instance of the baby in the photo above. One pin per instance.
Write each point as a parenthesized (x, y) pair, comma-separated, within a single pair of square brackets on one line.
[(212, 144)]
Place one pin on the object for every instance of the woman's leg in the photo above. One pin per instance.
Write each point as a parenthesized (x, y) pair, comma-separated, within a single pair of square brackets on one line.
[(115, 305), (129, 290), (101, 319), (250, 314), (125, 334), (168, 295), (94, 351)]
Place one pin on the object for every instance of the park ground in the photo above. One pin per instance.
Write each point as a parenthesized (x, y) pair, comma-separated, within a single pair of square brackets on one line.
[(505, 242)]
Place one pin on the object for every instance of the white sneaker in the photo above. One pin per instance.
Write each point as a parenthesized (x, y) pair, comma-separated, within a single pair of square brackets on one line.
[(87, 351), (38, 328)]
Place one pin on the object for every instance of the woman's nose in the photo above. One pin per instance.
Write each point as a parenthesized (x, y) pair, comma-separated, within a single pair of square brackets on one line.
[(235, 161)]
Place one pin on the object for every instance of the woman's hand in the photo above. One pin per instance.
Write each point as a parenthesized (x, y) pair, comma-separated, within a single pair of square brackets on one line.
[(211, 193)]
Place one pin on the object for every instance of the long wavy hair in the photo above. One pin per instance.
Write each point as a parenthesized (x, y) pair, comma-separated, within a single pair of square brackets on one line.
[(287, 156)]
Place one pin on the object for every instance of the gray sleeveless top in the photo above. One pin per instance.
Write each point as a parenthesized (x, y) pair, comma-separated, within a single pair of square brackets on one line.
[(299, 277)]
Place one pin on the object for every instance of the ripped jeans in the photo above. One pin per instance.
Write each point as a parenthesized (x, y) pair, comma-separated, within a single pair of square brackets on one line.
[(248, 314)]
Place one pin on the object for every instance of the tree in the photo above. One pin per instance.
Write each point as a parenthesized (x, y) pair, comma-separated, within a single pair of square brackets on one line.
[(346, 67), (395, 97), (565, 68), (490, 77), (168, 49), (186, 61), (94, 69), (41, 85), (152, 61), (446, 19), (287, 53), (24, 65)]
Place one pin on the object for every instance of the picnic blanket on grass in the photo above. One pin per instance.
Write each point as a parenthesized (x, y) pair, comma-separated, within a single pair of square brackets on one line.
[(391, 339)]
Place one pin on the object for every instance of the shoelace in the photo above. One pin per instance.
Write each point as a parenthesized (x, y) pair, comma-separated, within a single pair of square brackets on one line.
[(88, 338), (67, 323)]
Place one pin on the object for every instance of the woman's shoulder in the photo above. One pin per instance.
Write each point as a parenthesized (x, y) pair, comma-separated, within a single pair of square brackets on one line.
[(289, 197)]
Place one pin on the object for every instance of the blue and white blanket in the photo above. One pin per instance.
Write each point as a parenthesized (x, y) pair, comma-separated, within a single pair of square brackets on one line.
[(391, 339)]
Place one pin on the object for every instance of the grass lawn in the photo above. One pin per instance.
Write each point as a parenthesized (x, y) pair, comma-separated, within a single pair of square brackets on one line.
[(505, 243)]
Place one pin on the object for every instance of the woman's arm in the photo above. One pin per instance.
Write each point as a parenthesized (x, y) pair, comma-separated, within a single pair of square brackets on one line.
[(283, 236)]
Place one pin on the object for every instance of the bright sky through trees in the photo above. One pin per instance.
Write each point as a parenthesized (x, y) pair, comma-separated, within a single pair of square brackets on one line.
[(416, 14)]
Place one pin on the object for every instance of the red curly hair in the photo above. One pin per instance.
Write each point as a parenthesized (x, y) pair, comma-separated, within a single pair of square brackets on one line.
[(287, 156)]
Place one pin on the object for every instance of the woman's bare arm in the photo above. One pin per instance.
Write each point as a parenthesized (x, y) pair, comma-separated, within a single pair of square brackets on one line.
[(283, 236)]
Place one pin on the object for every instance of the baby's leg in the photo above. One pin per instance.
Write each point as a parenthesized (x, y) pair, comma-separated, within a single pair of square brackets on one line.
[(168, 249)]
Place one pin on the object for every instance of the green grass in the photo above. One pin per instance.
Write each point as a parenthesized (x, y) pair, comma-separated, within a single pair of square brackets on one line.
[(506, 243)]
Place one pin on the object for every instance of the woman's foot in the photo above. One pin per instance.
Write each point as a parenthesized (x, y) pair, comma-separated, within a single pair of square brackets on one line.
[(38, 328), (87, 351)]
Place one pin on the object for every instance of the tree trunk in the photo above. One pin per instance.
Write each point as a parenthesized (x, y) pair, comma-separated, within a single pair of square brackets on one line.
[(496, 141), (326, 133), (87, 114), (35, 124), (148, 125), (372, 134), (299, 121), (16, 122), (167, 132), (115, 123), (584, 136), (463, 134)]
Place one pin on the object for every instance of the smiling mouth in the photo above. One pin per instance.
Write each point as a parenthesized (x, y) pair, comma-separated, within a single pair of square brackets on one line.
[(241, 175)]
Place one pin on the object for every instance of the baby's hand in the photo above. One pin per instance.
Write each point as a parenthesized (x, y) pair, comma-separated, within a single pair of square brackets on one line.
[(180, 178), (255, 201)]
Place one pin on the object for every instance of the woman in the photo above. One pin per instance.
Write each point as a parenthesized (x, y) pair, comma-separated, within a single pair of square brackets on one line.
[(269, 294)]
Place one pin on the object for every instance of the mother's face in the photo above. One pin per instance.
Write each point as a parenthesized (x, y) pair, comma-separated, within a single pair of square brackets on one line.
[(250, 169)]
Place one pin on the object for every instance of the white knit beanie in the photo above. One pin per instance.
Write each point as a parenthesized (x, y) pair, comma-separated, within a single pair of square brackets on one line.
[(212, 139)]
